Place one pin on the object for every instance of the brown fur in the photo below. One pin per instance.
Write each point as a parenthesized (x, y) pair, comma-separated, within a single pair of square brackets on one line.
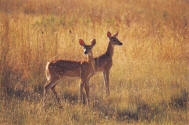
[(104, 62), (59, 69)]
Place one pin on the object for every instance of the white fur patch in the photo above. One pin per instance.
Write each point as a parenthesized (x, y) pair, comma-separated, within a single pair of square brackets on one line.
[(47, 71)]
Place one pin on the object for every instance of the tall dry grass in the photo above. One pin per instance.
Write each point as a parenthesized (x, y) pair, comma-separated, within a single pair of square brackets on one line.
[(149, 77)]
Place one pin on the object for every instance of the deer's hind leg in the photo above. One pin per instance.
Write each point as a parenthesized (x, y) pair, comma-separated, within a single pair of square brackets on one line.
[(56, 95), (49, 85)]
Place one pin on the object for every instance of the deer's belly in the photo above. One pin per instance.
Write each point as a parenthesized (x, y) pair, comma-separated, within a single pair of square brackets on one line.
[(71, 77), (71, 74)]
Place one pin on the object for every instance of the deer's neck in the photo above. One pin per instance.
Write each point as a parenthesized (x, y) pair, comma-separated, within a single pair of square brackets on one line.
[(91, 61), (110, 50)]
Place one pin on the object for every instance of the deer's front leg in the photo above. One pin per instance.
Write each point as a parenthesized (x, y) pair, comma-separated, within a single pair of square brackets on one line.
[(106, 81), (87, 91), (82, 95)]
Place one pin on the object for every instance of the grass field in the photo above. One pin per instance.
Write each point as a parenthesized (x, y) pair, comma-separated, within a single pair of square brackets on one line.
[(149, 81)]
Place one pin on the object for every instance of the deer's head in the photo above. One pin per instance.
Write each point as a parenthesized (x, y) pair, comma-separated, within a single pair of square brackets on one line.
[(113, 39), (87, 48)]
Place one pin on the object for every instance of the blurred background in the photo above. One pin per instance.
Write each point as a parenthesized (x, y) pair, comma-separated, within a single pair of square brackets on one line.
[(148, 79)]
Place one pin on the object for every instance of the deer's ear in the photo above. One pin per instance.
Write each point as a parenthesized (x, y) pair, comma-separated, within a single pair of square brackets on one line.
[(116, 34), (109, 34), (93, 42), (81, 42)]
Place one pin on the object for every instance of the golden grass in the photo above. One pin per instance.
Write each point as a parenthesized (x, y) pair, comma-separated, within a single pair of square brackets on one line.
[(149, 77)]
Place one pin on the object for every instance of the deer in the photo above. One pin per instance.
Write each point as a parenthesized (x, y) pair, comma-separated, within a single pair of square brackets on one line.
[(60, 69), (104, 62)]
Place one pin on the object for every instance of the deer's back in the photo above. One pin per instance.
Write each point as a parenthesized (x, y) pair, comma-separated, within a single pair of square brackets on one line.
[(65, 67)]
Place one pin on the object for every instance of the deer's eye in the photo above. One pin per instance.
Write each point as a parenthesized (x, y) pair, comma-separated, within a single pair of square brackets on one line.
[(113, 39)]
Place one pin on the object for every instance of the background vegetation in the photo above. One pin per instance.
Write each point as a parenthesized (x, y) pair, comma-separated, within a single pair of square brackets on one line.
[(149, 78)]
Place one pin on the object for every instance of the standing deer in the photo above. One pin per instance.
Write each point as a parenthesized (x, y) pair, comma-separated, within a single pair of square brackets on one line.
[(103, 63), (59, 69)]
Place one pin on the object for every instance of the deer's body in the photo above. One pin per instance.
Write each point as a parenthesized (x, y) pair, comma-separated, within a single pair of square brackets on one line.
[(66, 68), (104, 62), (60, 69)]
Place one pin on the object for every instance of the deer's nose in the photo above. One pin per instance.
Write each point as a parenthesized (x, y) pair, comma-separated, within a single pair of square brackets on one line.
[(120, 43), (85, 52)]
